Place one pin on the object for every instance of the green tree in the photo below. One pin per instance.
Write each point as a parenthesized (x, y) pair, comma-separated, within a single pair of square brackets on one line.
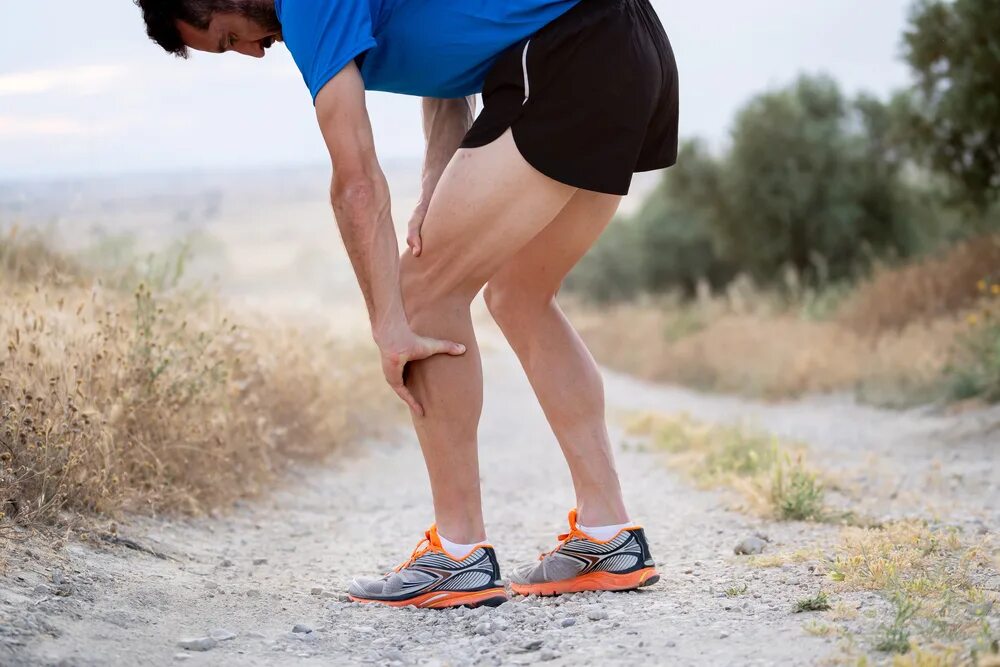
[(953, 49), (811, 182)]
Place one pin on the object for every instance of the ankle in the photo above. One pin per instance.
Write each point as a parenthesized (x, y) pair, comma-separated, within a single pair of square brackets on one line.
[(462, 532), (607, 514)]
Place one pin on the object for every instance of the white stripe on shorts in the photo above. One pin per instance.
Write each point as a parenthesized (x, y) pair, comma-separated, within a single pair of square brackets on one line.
[(524, 68)]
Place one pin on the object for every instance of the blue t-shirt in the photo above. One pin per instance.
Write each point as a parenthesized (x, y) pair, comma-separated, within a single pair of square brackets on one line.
[(432, 48)]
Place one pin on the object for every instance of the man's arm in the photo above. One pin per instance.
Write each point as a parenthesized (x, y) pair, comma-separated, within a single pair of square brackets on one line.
[(445, 124), (360, 197)]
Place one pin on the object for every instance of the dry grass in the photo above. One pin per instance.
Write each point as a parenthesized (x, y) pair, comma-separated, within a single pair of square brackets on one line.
[(771, 476), (940, 285), (753, 345), (155, 401), (944, 610)]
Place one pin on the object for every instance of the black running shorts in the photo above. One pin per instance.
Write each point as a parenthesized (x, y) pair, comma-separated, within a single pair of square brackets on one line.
[(590, 98)]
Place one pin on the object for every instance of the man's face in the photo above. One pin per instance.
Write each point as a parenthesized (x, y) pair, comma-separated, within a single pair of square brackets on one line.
[(250, 34)]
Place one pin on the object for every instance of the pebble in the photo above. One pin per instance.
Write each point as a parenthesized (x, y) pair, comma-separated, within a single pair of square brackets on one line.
[(723, 635), (749, 545), (301, 628), (198, 644), (226, 563), (597, 614), (316, 590), (221, 634), (260, 561), (484, 629), (181, 656), (548, 654), (568, 621)]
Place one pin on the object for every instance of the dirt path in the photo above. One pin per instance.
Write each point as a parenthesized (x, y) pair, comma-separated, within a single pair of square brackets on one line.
[(285, 561)]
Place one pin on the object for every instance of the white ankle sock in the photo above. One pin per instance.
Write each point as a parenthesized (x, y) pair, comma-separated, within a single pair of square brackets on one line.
[(603, 533), (459, 551)]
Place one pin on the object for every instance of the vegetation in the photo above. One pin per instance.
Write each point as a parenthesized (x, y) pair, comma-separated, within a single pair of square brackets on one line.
[(818, 602), (155, 399), (937, 581), (953, 121), (771, 475), (921, 332), (840, 240)]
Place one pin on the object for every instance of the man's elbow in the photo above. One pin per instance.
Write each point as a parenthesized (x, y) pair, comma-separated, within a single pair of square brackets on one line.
[(355, 195)]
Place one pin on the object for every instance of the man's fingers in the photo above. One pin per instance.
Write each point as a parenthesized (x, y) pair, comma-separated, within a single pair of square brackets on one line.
[(434, 346), (408, 398)]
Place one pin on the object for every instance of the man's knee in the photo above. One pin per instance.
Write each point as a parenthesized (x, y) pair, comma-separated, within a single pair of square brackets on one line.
[(426, 287), (510, 303)]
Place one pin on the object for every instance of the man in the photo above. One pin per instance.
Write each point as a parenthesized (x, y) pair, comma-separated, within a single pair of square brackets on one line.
[(577, 95)]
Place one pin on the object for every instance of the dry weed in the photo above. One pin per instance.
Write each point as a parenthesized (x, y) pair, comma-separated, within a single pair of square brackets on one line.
[(155, 402), (943, 284)]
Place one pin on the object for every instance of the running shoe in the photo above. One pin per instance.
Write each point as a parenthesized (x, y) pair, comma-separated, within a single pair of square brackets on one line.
[(434, 579), (581, 563)]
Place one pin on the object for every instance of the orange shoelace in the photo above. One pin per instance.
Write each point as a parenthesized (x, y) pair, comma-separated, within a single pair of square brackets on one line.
[(430, 542), (574, 533)]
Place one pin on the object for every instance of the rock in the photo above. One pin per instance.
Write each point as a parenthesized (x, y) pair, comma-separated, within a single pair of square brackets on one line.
[(260, 561), (211, 585), (301, 628), (484, 629), (568, 621), (226, 563), (750, 545), (221, 634), (57, 577), (316, 590), (597, 614), (671, 644), (181, 656), (723, 635), (531, 645), (198, 644), (548, 654)]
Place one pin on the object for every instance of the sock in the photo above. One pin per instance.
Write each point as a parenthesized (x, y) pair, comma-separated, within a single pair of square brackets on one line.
[(603, 533), (459, 551)]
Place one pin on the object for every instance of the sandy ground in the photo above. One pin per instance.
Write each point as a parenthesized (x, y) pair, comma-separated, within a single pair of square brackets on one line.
[(257, 572)]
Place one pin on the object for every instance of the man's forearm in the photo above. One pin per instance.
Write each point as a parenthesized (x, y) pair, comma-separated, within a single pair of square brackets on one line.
[(362, 208), (445, 123)]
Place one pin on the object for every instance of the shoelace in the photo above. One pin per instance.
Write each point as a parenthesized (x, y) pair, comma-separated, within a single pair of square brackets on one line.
[(574, 533), (423, 546)]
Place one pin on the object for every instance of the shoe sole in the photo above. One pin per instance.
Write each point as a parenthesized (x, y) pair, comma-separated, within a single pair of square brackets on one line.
[(492, 597), (593, 581)]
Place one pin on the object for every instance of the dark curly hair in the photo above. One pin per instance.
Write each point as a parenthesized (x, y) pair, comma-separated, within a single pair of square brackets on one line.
[(161, 18)]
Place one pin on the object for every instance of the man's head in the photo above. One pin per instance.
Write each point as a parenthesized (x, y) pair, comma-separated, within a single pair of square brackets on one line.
[(245, 26)]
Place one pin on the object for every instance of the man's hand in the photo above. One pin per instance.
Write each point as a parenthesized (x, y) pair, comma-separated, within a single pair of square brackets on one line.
[(413, 228), (445, 123), (403, 346)]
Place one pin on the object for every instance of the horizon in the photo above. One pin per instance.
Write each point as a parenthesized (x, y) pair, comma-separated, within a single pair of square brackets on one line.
[(121, 106)]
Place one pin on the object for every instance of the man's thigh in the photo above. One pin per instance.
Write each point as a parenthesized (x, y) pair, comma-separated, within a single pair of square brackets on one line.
[(537, 270), (488, 204)]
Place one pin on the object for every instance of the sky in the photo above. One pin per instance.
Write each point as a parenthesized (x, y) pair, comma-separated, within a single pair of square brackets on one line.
[(83, 92)]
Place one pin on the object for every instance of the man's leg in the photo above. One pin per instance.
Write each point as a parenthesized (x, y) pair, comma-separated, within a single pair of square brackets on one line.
[(489, 203), (567, 382)]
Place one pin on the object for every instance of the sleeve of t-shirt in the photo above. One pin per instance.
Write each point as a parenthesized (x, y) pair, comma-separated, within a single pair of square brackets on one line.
[(324, 35)]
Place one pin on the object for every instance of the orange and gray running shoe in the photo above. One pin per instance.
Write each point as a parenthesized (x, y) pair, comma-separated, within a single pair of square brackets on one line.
[(434, 579), (581, 563)]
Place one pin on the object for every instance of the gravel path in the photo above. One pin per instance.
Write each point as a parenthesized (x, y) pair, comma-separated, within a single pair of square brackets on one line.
[(262, 586)]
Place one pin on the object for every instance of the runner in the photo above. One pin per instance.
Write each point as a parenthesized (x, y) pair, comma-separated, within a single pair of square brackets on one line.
[(578, 95)]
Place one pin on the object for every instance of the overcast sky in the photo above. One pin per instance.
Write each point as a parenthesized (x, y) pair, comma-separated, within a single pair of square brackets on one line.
[(82, 91)]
